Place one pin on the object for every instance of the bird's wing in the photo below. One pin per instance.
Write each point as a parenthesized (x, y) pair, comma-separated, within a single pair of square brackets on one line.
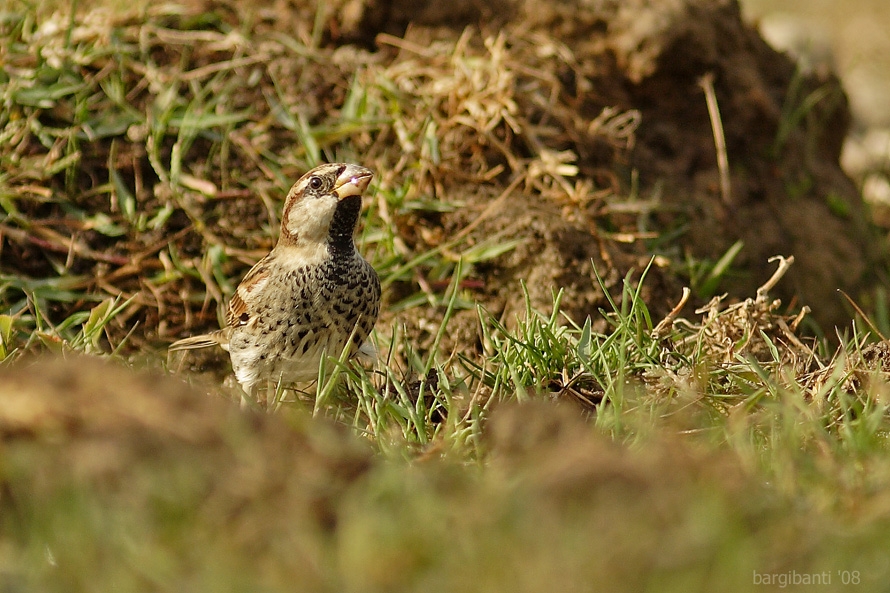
[(241, 307), (217, 338)]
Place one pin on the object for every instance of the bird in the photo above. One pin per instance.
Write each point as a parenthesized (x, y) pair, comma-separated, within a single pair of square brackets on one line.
[(313, 295)]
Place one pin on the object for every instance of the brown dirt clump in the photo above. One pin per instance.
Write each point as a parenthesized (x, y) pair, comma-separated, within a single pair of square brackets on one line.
[(787, 192), (160, 485), (96, 455)]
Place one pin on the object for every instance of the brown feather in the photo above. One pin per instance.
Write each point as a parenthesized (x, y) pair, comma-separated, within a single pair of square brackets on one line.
[(203, 341), (238, 312)]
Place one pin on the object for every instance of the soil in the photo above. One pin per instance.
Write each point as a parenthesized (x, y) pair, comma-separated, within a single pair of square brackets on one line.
[(788, 193)]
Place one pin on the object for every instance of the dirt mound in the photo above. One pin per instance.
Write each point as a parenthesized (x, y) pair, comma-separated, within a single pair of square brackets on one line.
[(626, 96), (156, 483), (142, 445)]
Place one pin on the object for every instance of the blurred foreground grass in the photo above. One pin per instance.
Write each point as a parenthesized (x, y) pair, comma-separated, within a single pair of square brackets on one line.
[(718, 451), (567, 460)]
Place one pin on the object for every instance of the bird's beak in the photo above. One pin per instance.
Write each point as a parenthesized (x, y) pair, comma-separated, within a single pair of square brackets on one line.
[(353, 181)]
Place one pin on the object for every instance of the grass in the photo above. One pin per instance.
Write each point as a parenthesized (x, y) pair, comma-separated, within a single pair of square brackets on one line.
[(143, 156), (693, 468)]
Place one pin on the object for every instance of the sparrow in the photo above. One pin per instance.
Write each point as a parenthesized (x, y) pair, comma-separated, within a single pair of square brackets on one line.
[(313, 295)]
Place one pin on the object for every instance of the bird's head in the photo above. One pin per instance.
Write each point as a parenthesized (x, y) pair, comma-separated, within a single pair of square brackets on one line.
[(324, 205)]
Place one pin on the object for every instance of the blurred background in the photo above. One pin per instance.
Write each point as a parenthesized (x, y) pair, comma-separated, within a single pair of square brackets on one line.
[(852, 39)]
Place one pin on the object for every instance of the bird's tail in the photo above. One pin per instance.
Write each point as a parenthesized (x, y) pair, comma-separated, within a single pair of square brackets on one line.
[(195, 342)]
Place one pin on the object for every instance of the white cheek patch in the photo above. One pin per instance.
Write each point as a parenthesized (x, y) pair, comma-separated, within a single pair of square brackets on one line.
[(311, 218)]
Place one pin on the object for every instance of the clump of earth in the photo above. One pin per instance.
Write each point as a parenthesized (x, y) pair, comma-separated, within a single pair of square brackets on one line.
[(783, 129)]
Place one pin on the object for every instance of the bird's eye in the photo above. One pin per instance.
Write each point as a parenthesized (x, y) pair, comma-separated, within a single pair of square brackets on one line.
[(315, 183)]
